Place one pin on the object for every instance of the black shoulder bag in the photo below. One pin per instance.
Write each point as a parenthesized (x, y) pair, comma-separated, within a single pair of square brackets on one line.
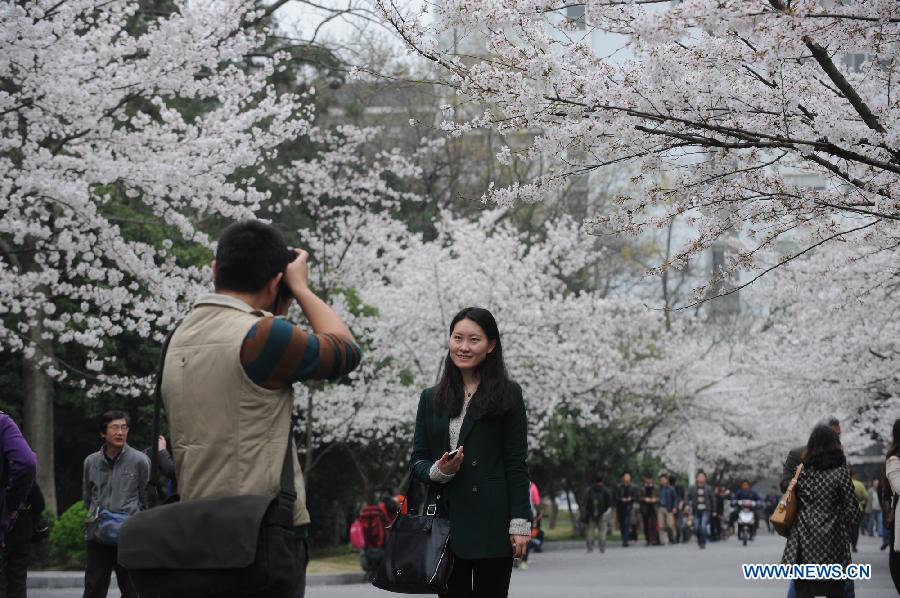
[(417, 557), (235, 546)]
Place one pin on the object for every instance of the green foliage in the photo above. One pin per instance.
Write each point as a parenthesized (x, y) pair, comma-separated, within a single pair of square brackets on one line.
[(573, 453), (67, 536), (355, 303)]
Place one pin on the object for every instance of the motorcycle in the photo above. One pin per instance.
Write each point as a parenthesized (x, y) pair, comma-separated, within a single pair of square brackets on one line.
[(746, 519)]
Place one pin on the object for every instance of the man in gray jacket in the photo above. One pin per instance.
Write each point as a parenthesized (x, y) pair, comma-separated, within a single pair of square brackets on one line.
[(115, 480)]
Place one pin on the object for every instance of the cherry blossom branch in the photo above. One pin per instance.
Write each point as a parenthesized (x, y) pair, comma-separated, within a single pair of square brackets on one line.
[(780, 263)]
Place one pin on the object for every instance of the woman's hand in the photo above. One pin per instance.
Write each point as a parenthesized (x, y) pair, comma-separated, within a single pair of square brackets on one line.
[(448, 465), (519, 545)]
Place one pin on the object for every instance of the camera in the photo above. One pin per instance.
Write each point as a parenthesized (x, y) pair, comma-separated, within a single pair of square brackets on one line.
[(284, 292)]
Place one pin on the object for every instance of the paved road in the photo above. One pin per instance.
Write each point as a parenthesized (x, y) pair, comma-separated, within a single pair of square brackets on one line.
[(681, 571)]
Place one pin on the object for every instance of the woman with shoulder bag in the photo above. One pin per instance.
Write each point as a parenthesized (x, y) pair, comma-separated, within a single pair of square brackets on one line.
[(827, 508), (482, 488), (892, 473)]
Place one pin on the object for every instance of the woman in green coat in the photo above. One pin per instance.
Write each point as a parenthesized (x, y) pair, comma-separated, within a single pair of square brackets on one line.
[(483, 487)]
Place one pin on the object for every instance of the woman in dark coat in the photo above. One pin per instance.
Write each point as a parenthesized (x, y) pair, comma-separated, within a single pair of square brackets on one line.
[(827, 509), (483, 488)]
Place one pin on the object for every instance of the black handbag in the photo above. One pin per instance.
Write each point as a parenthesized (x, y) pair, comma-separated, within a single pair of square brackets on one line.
[(234, 546), (417, 557)]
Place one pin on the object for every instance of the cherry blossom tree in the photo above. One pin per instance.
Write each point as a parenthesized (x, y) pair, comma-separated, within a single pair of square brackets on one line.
[(769, 127), (608, 360), (129, 140), (719, 106), (94, 137)]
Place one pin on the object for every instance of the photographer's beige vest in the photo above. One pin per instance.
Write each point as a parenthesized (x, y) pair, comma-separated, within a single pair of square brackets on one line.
[(228, 434)]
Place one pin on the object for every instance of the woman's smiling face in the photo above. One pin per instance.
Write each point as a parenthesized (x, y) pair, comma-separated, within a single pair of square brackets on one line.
[(469, 345)]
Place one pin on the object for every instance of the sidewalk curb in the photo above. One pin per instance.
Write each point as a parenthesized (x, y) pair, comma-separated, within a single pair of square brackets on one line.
[(61, 580), (75, 579)]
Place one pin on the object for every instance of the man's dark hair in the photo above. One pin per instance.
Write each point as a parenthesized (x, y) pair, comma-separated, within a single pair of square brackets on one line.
[(598, 479), (112, 415), (823, 450), (249, 255)]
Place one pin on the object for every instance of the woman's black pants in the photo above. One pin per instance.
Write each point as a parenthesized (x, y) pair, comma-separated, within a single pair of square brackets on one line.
[(480, 578)]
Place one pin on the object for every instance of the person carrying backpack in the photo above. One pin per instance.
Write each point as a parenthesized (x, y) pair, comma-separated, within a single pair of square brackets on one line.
[(369, 531)]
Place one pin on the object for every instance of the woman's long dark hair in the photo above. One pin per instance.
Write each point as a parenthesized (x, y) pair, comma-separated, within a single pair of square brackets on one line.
[(894, 446), (495, 390), (823, 451), (887, 492)]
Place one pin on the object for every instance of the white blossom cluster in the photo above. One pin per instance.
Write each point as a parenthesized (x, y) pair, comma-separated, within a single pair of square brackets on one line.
[(722, 110), (89, 111)]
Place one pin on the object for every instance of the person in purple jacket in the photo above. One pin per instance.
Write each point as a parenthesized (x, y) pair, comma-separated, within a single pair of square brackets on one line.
[(18, 467)]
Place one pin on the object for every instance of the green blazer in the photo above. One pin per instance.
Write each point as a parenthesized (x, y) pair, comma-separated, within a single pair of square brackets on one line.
[(491, 487)]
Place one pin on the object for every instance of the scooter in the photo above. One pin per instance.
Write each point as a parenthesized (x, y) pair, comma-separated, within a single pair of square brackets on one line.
[(746, 519)]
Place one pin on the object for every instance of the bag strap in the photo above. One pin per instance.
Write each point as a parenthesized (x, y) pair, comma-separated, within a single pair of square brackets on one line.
[(157, 407), (287, 493), (793, 482)]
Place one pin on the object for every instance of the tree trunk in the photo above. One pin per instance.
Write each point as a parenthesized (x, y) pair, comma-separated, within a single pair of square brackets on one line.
[(39, 414), (554, 512)]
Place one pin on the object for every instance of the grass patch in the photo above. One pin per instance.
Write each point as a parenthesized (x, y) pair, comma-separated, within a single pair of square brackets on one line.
[(334, 559), (345, 563), (563, 531)]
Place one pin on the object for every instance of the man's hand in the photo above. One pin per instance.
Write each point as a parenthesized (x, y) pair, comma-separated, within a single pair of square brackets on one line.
[(296, 275), (519, 545), (450, 465)]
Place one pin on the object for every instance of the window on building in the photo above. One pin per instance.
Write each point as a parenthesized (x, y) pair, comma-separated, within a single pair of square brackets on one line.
[(576, 13), (855, 61)]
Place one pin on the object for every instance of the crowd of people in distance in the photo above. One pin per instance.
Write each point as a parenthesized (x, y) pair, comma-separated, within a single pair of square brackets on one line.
[(667, 512)]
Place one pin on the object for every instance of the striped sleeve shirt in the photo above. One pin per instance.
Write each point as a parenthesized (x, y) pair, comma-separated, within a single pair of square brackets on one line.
[(275, 353)]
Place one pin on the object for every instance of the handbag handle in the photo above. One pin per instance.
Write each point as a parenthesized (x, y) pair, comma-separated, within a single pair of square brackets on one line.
[(792, 484), (412, 478), (287, 494), (797, 473)]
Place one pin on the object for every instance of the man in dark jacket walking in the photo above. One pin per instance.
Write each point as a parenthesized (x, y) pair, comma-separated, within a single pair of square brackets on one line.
[(667, 508), (625, 497), (700, 499), (649, 501), (596, 514)]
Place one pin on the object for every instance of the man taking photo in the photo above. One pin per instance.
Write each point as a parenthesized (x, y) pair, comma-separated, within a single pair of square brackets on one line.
[(230, 367)]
